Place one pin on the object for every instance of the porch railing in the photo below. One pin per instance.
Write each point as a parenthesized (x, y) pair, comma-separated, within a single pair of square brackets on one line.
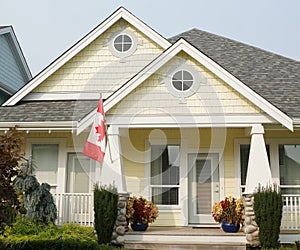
[(78, 208), (291, 212), (75, 208)]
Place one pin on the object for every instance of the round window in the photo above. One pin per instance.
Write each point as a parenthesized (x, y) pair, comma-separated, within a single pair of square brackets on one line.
[(122, 43), (182, 80)]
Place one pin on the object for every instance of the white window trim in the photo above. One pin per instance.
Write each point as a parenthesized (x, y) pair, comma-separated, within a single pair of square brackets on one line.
[(127, 53), (62, 158), (148, 195), (274, 158), (197, 77)]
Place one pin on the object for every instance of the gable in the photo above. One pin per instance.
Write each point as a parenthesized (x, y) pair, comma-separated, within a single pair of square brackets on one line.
[(55, 92), (96, 69), (14, 72), (213, 97), (181, 45)]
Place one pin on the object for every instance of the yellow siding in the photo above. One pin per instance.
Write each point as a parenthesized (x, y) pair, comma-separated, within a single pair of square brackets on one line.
[(133, 151), (96, 69), (170, 219), (215, 96)]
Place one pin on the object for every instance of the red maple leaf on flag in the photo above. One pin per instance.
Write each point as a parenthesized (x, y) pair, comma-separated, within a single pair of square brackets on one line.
[(100, 131)]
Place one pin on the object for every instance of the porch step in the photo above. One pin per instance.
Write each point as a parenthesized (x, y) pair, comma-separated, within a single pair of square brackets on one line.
[(182, 246), (185, 238)]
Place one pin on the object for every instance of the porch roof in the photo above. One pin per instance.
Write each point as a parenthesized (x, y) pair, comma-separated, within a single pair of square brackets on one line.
[(274, 77), (47, 111)]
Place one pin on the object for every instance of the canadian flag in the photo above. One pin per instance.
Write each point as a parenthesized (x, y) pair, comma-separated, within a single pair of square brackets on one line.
[(95, 146)]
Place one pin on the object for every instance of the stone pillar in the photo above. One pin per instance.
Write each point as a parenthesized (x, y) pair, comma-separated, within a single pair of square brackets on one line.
[(251, 228), (121, 226)]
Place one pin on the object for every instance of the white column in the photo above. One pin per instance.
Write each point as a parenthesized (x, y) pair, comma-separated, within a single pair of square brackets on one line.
[(259, 172), (112, 167)]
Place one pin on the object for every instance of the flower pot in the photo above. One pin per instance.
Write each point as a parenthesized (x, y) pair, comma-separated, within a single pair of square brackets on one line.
[(230, 228), (138, 226)]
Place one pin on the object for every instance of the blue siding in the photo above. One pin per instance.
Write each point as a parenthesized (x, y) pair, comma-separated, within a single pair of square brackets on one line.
[(3, 97), (10, 73)]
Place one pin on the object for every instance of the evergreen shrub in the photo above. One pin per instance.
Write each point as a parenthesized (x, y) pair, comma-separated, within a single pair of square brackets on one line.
[(26, 234), (268, 213), (106, 211)]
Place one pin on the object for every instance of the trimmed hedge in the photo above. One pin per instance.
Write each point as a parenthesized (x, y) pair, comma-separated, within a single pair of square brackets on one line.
[(29, 235), (106, 212), (57, 244), (268, 212)]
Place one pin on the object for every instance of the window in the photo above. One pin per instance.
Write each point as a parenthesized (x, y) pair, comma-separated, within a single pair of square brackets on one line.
[(289, 168), (45, 159), (122, 43), (182, 80), (164, 182), (244, 158), (80, 173)]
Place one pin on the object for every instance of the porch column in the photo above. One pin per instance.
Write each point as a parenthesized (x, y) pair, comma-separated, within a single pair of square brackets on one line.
[(112, 168), (258, 173)]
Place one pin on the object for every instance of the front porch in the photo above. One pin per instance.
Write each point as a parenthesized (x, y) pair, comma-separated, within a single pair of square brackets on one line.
[(78, 208)]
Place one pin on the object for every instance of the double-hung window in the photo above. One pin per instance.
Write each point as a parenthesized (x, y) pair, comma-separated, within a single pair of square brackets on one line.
[(164, 183), (289, 168), (45, 161)]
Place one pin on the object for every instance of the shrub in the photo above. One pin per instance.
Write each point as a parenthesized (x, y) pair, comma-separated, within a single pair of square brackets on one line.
[(26, 234), (268, 212), (141, 210), (37, 199), (106, 211), (230, 209), (10, 151)]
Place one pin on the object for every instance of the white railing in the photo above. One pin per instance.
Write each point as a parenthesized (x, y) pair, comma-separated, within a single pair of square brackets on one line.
[(75, 208), (291, 212), (79, 208)]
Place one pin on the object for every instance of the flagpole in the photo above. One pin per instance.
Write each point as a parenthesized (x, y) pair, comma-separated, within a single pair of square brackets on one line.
[(105, 125)]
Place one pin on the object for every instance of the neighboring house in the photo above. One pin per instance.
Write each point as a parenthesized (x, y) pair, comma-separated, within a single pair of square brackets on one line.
[(180, 115), (14, 71)]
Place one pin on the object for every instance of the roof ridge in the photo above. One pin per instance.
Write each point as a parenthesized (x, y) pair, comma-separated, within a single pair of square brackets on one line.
[(176, 37)]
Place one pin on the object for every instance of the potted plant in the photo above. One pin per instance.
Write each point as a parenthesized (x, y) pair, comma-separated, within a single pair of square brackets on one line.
[(230, 213), (140, 212)]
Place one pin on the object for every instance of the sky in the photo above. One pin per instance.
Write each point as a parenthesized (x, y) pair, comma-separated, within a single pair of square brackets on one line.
[(47, 28)]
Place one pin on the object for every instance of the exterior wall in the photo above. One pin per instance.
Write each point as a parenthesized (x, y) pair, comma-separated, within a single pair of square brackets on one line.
[(96, 69), (213, 97), (10, 73), (134, 152)]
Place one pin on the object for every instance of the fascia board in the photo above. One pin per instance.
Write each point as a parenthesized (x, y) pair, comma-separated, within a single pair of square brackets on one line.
[(85, 41), (39, 125)]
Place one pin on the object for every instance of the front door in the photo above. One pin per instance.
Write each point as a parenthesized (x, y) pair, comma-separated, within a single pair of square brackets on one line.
[(204, 186)]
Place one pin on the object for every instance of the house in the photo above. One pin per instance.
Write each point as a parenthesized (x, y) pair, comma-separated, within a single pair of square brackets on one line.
[(182, 116), (14, 71)]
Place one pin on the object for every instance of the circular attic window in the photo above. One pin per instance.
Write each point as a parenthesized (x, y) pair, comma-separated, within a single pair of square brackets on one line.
[(123, 44), (182, 80)]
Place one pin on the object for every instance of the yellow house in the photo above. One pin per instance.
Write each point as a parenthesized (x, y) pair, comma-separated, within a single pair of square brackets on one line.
[(182, 114)]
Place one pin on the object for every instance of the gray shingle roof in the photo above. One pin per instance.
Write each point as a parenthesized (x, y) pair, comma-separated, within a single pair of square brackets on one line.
[(274, 77), (47, 111)]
